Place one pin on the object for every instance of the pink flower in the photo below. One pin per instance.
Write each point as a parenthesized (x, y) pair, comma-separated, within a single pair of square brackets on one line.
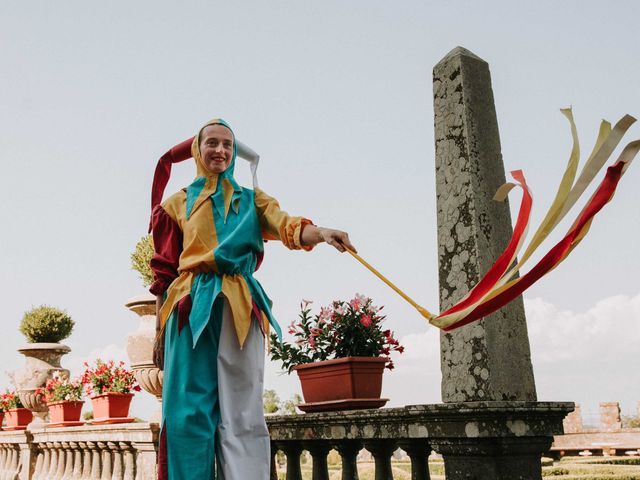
[(366, 320), (355, 303), (305, 303), (325, 315), (312, 342)]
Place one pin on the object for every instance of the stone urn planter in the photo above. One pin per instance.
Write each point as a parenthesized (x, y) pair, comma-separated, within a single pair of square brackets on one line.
[(140, 349), (342, 384), (42, 360)]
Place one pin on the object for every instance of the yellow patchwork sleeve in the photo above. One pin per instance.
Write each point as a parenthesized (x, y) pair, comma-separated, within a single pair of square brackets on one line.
[(279, 225)]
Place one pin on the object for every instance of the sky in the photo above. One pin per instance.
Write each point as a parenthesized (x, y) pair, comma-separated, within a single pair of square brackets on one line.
[(336, 97)]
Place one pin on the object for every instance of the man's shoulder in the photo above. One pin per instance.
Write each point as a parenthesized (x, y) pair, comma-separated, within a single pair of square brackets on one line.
[(175, 203)]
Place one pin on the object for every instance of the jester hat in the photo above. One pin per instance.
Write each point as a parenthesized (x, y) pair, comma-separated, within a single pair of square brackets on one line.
[(190, 148)]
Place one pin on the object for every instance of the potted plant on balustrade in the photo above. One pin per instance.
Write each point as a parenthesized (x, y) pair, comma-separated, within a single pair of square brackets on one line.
[(44, 328), (64, 400), (339, 354), (16, 416), (109, 385)]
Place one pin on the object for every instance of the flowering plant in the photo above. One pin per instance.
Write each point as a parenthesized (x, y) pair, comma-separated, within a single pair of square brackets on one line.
[(108, 378), (342, 329), (60, 388), (10, 400)]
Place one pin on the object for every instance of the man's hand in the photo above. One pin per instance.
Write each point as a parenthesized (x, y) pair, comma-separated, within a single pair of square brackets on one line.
[(158, 351), (337, 239), (312, 235)]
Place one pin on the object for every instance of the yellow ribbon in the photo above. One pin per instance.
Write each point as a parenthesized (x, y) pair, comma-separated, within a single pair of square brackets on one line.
[(423, 311)]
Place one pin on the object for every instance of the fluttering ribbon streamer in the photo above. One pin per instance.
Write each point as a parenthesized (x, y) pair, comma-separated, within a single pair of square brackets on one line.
[(498, 286)]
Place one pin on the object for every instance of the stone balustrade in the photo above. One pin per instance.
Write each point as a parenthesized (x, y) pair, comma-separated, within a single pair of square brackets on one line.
[(106, 452), (10, 454), (503, 440)]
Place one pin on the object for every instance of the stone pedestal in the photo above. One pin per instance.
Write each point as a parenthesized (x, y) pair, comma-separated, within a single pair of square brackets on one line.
[(42, 360), (140, 350)]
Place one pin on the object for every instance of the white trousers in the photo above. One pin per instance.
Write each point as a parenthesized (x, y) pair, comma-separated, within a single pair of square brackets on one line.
[(243, 444)]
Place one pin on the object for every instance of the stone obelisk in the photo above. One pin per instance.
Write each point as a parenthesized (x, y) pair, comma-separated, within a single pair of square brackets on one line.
[(488, 360)]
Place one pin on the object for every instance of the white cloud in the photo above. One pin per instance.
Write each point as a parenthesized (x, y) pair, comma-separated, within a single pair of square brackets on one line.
[(416, 376), (588, 357)]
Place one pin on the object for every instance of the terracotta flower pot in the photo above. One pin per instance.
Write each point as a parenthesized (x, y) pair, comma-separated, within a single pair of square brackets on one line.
[(18, 418), (65, 413), (342, 384), (111, 408)]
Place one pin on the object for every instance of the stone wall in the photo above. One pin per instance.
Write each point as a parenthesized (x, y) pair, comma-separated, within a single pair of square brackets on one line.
[(573, 422), (610, 420)]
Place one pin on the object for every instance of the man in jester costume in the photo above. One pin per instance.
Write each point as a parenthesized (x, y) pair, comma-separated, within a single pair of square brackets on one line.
[(213, 316)]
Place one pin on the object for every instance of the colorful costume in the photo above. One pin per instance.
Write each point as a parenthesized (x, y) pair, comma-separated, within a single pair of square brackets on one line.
[(208, 241)]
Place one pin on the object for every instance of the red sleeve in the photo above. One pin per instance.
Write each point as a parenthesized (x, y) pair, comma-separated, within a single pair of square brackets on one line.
[(167, 242)]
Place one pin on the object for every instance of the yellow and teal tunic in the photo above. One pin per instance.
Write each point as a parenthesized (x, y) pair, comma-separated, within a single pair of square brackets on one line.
[(209, 239)]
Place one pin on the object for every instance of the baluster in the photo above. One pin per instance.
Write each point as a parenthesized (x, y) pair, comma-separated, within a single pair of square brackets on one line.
[(67, 454), (59, 471), (76, 455), (274, 462), (6, 464), (293, 450), (39, 459), (116, 455), (418, 450), (129, 461), (6, 471), (95, 460), (106, 461), (53, 462), (348, 450), (319, 451), (3, 459), (382, 451), (15, 465), (6, 461), (85, 471), (46, 458)]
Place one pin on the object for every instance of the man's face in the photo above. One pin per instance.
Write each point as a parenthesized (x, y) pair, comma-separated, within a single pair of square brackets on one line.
[(216, 148)]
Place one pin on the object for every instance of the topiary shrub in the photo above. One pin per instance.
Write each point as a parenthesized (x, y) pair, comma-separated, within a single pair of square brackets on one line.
[(46, 324), (141, 257)]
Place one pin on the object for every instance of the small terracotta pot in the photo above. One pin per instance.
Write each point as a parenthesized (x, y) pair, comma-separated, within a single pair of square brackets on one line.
[(342, 379), (111, 406), (18, 418), (65, 412)]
